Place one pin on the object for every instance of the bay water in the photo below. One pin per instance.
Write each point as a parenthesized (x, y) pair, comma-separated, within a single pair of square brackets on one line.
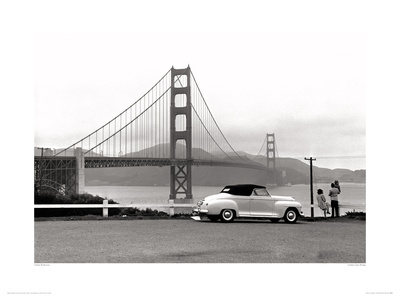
[(352, 197)]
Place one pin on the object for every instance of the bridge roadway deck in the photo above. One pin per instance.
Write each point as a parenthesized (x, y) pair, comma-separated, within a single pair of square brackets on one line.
[(112, 162)]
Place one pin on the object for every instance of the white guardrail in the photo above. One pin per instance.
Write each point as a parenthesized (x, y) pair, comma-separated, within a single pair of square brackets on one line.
[(105, 206)]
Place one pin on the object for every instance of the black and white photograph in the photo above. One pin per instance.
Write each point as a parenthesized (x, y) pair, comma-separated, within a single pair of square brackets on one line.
[(196, 148)]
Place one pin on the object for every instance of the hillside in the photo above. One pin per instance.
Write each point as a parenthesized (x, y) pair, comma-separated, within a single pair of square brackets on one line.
[(147, 176), (296, 171)]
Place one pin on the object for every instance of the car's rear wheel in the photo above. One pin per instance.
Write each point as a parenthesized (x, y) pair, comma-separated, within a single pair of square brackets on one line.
[(227, 215), (291, 215), (213, 218)]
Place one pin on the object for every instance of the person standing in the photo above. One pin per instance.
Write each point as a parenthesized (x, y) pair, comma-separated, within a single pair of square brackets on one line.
[(322, 202), (333, 193)]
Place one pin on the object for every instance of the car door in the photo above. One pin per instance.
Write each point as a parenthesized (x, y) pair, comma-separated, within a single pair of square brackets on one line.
[(261, 203)]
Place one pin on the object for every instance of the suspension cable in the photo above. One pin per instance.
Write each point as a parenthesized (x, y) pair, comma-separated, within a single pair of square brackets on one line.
[(88, 136), (265, 139), (150, 106), (201, 94)]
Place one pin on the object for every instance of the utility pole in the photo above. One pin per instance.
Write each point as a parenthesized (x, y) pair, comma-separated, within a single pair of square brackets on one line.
[(311, 185)]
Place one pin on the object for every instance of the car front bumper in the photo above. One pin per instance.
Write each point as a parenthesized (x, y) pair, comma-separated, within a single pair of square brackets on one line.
[(199, 212)]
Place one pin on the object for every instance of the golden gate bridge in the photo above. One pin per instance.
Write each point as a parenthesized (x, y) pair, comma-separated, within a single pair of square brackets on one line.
[(171, 126)]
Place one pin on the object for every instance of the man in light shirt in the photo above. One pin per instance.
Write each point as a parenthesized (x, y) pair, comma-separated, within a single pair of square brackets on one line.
[(333, 193)]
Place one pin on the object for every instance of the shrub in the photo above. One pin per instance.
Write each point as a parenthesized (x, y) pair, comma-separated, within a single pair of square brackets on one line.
[(52, 198), (142, 212), (131, 211), (356, 215)]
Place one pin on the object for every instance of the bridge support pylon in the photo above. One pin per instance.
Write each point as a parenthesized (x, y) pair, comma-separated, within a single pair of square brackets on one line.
[(271, 156), (80, 171), (181, 136)]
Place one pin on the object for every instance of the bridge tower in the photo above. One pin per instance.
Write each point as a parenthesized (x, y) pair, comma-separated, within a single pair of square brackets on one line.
[(271, 150), (271, 162), (181, 113)]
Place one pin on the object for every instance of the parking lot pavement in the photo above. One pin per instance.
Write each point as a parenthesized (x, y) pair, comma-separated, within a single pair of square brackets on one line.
[(189, 241)]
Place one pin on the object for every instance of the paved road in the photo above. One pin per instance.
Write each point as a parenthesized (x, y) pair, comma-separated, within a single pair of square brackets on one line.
[(188, 241)]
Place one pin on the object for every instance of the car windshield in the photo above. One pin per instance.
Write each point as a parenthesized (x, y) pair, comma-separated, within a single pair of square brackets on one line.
[(260, 192)]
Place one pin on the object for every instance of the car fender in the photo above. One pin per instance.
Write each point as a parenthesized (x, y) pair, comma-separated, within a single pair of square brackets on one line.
[(215, 207), (282, 206)]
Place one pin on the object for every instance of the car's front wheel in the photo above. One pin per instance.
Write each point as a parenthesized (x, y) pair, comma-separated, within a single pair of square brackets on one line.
[(291, 215), (227, 215)]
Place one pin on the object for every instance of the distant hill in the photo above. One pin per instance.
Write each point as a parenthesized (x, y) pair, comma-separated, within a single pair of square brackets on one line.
[(298, 171), (149, 176), (295, 171)]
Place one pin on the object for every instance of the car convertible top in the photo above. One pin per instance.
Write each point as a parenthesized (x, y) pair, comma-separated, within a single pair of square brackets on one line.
[(241, 189)]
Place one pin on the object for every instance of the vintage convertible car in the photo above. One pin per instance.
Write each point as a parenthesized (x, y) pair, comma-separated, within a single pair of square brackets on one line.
[(248, 201)]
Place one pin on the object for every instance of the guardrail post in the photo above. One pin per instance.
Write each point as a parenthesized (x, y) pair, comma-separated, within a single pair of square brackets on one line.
[(171, 208), (105, 208)]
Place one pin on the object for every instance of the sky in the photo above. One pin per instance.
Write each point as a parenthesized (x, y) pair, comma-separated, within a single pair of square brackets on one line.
[(308, 89)]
